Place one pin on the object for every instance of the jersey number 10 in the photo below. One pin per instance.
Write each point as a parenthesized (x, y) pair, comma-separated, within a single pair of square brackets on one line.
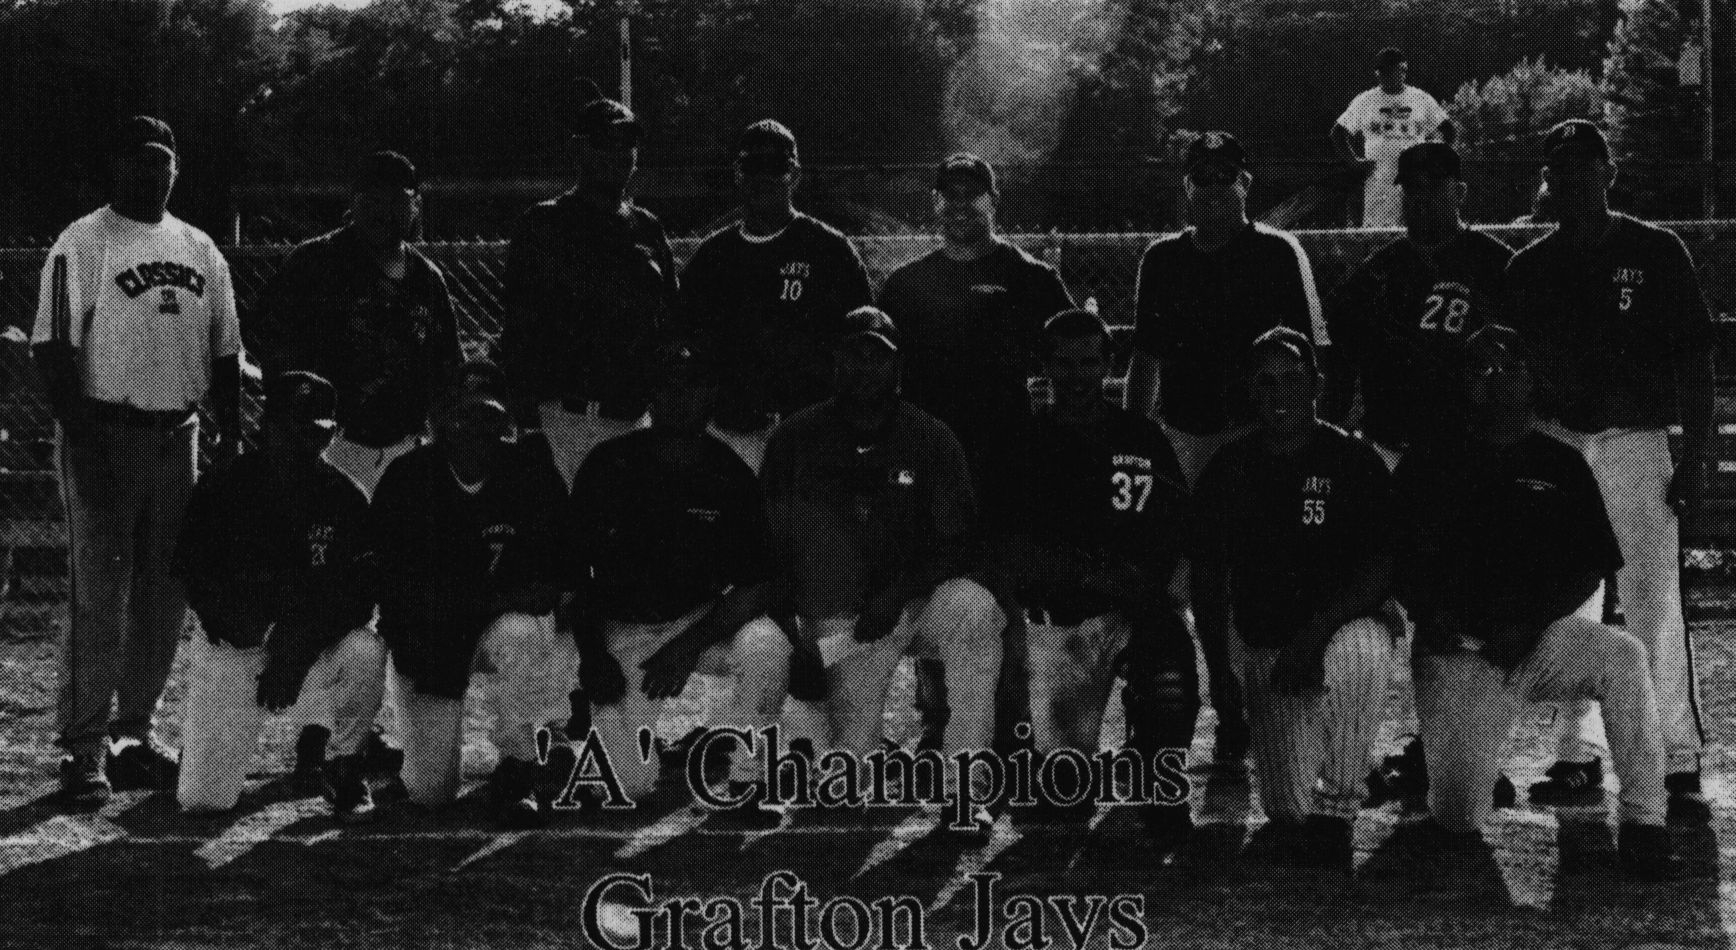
[(792, 289), (1125, 487)]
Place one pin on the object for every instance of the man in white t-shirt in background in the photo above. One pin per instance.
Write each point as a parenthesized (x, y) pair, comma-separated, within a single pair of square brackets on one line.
[(1379, 124)]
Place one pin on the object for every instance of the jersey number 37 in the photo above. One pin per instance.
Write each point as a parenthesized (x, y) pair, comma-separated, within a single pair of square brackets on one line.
[(1131, 491)]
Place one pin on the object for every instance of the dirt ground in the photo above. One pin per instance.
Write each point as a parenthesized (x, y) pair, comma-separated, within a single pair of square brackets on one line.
[(279, 873)]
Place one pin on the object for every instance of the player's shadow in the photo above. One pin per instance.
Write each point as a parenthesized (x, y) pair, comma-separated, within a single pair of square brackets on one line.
[(1596, 895)]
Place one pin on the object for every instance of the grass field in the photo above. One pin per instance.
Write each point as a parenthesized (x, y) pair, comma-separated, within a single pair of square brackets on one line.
[(279, 873)]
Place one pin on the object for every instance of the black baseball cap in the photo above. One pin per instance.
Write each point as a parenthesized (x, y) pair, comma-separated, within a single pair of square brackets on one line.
[(1215, 148), (386, 171), (1575, 137), (767, 135), (871, 323), (477, 383), (1389, 57), (1428, 160), (301, 396), (141, 131), (605, 121), (683, 359), (968, 170)]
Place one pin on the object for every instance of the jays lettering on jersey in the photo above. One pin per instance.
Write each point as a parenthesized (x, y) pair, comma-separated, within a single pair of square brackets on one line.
[(1399, 319), (148, 307), (772, 307), (1290, 527), (1605, 327)]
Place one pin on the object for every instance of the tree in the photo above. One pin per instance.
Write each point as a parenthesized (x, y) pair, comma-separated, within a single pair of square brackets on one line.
[(1501, 121), (1654, 126)]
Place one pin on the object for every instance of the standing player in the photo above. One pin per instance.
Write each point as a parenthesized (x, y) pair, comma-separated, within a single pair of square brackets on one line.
[(1292, 537), (589, 281), (1504, 534), (770, 293), (1624, 350), (1401, 316), (1203, 296), (465, 532), (670, 559), (277, 565), (1387, 119), (1092, 551), (134, 325)]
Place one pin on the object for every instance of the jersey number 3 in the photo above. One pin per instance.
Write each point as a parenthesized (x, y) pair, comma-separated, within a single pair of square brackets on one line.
[(1131, 491)]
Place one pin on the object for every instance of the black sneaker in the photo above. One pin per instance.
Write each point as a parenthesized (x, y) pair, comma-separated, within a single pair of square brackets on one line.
[(1687, 804), (380, 759), (1326, 842), (1505, 795), (310, 759), (1570, 783), (1402, 776), (84, 781), (347, 790), (1645, 851), (512, 787), (143, 765), (1167, 827)]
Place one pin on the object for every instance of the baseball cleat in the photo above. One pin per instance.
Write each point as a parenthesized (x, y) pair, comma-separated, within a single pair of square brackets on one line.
[(347, 790), (1402, 776), (1688, 805), (512, 788), (1644, 851), (1325, 841), (84, 781), (1505, 795), (310, 758), (139, 764), (1570, 783)]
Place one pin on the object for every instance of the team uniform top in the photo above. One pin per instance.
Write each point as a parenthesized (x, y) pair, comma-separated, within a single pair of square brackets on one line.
[(1484, 530), (254, 551), (848, 519), (586, 293), (147, 306), (773, 305), (1199, 311), (1289, 527), (1113, 495), (1400, 317), (448, 555), (384, 344), (1606, 326), (660, 530)]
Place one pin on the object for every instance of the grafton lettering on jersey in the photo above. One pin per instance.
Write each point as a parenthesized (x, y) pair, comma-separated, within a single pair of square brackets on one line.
[(319, 538), (139, 278), (1133, 461)]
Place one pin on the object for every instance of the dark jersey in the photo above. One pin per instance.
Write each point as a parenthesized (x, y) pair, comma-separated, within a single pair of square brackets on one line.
[(1197, 312), (1111, 495), (447, 555), (256, 549), (773, 307), (586, 293), (1481, 525), (1605, 327), (663, 524), (849, 516), (385, 344), (1289, 527), (1398, 321)]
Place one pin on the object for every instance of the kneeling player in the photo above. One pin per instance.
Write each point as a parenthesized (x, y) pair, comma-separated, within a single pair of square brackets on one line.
[(274, 557), (670, 552), (1091, 552), (1504, 536), (1292, 532), (465, 530)]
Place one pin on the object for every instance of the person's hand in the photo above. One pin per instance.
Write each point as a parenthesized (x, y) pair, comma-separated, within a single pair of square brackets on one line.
[(280, 683), (601, 677), (1299, 670), (1687, 487), (667, 670)]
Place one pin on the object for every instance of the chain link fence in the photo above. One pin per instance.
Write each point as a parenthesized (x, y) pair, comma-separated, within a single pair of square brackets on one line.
[(1096, 267)]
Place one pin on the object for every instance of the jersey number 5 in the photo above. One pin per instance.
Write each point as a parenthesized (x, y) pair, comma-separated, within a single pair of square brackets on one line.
[(1454, 320), (1125, 487), (1314, 511)]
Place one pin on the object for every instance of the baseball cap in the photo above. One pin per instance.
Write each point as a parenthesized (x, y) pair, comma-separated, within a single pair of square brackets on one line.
[(967, 170), (1216, 148), (140, 131), (477, 384), (1492, 336), (605, 121), (871, 323), (1389, 57), (301, 396), (683, 359), (1575, 136), (1427, 160), (386, 170), (767, 136)]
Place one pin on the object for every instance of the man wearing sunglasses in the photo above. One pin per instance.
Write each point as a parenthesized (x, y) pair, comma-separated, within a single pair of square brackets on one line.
[(1203, 295), (589, 282), (770, 293)]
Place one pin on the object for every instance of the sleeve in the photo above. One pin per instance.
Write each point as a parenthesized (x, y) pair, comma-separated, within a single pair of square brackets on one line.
[(1147, 329), (665, 257), (855, 289), (1052, 293), (1434, 114), (1299, 308), (697, 313), (1416, 538), (524, 320), (1206, 523), (60, 294), (225, 323), (1377, 516), (273, 336), (446, 353), (1690, 320), (198, 551), (1354, 114), (532, 563), (953, 504)]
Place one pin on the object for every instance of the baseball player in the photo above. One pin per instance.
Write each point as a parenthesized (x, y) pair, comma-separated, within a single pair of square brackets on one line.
[(870, 506), (1503, 534), (670, 561), (590, 281), (1624, 350), (135, 324), (770, 293), (1203, 295), (1291, 534), (276, 560), (1384, 121), (1401, 316), (1092, 553), (466, 529)]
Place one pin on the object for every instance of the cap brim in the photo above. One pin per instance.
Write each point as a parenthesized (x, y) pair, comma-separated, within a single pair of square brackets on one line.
[(875, 337)]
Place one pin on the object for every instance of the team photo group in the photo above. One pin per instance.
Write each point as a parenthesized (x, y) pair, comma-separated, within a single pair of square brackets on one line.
[(1255, 509)]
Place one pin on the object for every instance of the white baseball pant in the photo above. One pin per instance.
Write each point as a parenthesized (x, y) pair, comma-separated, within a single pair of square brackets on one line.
[(1633, 469), (572, 435), (531, 666), (1311, 750), (1072, 670), (221, 717), (1467, 706)]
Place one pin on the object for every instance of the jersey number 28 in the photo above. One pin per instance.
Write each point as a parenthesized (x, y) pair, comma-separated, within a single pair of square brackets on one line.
[(1454, 319), (1125, 488)]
